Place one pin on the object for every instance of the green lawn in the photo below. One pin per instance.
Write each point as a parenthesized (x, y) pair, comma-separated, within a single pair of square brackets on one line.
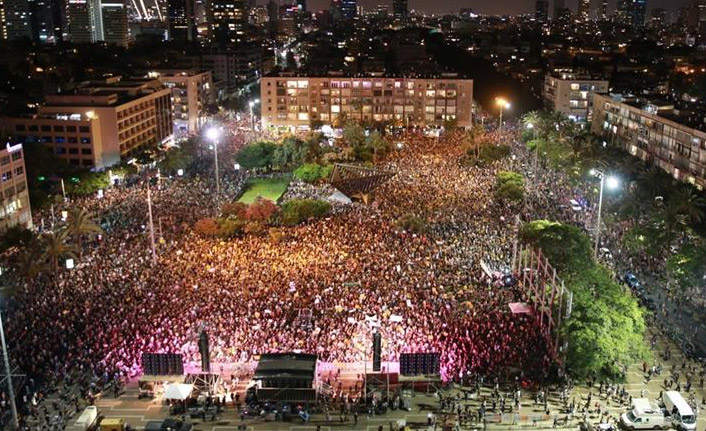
[(268, 188)]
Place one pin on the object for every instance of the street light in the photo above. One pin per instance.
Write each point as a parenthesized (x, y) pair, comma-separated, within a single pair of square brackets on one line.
[(531, 127), (503, 104), (252, 104), (213, 134), (612, 183)]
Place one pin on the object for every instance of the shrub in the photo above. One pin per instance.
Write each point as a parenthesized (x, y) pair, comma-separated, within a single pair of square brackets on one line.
[(312, 172), (509, 186), (234, 209), (261, 210), (207, 226), (296, 211)]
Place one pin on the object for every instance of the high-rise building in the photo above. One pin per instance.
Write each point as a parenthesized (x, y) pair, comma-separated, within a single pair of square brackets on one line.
[(15, 19), (182, 20), (541, 10), (297, 101), (584, 9), (400, 9), (570, 93), (100, 123), (14, 196), (229, 20), (604, 10), (559, 6), (653, 131), (191, 93), (115, 25), (301, 6), (632, 12), (344, 9), (42, 21), (85, 23)]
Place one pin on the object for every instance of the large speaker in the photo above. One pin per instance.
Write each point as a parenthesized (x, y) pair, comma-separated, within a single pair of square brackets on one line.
[(377, 351), (205, 352), (162, 364), (414, 364)]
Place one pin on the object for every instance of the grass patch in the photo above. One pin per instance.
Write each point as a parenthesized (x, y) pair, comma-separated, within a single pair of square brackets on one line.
[(267, 188)]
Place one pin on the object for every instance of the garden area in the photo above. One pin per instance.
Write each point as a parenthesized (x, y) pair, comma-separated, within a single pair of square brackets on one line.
[(270, 188)]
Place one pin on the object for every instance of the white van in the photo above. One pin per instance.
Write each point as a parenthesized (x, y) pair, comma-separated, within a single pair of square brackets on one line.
[(87, 418), (683, 416), (644, 416)]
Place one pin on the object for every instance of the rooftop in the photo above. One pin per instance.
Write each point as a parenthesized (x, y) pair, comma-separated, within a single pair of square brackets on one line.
[(687, 115)]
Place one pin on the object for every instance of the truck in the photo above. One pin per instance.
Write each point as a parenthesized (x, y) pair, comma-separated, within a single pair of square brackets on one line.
[(644, 415), (168, 425), (678, 409)]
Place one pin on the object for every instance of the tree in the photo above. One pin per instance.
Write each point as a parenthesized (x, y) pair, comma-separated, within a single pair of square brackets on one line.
[(509, 186), (16, 236), (296, 211), (31, 263), (257, 155), (312, 172), (79, 224), (353, 135), (689, 203), (566, 247), (207, 226), (56, 247), (261, 210)]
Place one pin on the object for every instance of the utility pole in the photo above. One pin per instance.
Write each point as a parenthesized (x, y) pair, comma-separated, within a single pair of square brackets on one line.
[(149, 210), (63, 189), (218, 181), (10, 388)]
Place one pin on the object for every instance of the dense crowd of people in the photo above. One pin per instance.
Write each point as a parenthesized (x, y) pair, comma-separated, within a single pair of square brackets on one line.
[(251, 292)]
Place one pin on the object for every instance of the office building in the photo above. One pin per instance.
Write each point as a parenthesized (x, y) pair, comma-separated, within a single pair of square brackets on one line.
[(191, 92), (298, 102), (584, 9), (229, 20), (115, 25), (15, 20), (400, 9), (42, 21), (182, 20), (99, 123), (84, 21), (655, 132), (541, 10), (604, 10), (570, 93), (15, 208), (243, 63), (632, 12)]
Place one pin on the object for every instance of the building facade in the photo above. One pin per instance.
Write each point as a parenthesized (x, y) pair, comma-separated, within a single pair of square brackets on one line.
[(191, 93), (15, 209), (100, 123), (182, 20), (541, 10), (400, 9), (293, 101), (15, 20), (655, 133), (570, 93), (115, 26)]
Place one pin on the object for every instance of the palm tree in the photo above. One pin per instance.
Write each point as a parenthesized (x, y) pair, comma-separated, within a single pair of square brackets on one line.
[(55, 247), (689, 203), (81, 223), (30, 263), (535, 119)]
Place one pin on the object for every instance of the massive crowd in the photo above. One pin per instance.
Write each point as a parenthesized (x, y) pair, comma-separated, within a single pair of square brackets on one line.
[(316, 289)]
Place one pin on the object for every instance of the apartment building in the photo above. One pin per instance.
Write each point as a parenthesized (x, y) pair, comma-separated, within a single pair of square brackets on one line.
[(191, 92), (570, 93), (297, 101), (100, 122), (15, 209), (655, 132)]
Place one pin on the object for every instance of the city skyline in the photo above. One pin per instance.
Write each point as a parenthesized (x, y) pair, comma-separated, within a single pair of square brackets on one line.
[(500, 7)]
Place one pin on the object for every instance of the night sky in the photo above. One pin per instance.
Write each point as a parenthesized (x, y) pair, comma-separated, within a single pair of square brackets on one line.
[(488, 6)]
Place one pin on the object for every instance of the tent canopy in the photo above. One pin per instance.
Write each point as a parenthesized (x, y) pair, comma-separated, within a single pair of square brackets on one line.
[(178, 391)]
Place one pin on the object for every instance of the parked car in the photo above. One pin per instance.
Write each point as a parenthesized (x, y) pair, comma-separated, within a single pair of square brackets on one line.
[(631, 280)]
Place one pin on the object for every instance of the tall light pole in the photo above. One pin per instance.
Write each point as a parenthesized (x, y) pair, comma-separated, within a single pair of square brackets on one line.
[(252, 104), (10, 388), (503, 104), (536, 149), (213, 134), (612, 184), (149, 211)]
